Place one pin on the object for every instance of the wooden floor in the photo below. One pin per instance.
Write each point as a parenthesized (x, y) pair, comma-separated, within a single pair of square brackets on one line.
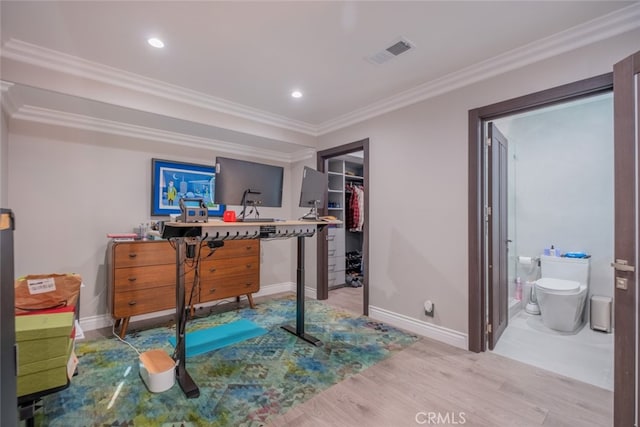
[(347, 298), (431, 383)]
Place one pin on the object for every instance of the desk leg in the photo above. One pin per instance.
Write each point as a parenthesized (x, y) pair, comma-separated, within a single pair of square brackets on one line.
[(299, 329), (187, 385)]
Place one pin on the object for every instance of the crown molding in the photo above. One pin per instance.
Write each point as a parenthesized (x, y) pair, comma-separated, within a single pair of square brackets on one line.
[(82, 122), (72, 65), (607, 26), (5, 86)]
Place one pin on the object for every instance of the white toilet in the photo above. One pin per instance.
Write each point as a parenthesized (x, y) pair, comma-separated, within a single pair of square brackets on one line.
[(562, 291)]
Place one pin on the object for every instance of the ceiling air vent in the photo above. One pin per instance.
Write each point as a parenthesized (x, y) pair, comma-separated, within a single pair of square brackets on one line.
[(399, 46)]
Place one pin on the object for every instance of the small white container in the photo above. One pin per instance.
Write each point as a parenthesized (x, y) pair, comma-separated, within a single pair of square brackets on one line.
[(157, 370), (601, 313)]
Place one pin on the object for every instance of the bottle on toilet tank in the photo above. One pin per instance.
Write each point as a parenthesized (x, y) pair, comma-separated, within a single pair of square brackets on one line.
[(518, 289)]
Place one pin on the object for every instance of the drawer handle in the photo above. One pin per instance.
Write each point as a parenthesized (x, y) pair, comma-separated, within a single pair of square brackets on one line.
[(247, 284), (132, 279), (248, 248), (133, 255), (212, 290), (132, 302), (248, 265), (212, 270)]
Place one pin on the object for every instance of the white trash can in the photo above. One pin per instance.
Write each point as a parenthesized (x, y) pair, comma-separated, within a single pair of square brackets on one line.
[(601, 313)]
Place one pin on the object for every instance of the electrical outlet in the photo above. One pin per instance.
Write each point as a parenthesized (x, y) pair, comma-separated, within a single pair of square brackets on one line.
[(429, 308)]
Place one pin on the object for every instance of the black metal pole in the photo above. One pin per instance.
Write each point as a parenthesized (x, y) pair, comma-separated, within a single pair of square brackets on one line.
[(300, 288), (299, 329), (187, 384)]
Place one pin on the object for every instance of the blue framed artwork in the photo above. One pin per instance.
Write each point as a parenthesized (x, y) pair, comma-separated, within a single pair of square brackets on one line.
[(171, 181)]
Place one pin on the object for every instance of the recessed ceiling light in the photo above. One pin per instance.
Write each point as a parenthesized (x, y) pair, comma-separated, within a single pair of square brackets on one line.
[(296, 94), (156, 42)]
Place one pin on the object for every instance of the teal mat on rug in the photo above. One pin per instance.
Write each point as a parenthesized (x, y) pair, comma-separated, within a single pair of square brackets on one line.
[(244, 384), (214, 338)]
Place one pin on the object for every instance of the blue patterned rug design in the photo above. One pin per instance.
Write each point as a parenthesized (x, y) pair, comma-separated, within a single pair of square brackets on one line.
[(244, 384)]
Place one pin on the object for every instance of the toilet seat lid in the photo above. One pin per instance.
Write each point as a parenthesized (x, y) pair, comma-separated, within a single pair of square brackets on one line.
[(558, 284)]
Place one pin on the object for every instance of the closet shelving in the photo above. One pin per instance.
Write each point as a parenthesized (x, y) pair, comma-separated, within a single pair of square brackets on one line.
[(342, 172)]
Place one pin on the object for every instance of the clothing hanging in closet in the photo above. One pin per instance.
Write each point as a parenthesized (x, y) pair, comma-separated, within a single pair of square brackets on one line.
[(355, 207)]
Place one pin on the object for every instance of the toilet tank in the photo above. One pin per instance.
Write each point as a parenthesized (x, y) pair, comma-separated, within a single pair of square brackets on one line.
[(565, 268)]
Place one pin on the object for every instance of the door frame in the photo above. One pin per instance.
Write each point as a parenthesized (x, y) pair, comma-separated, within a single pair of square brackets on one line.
[(477, 328), (322, 291), (626, 399)]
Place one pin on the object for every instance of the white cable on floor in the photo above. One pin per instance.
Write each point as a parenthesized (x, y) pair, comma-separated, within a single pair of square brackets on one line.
[(113, 330)]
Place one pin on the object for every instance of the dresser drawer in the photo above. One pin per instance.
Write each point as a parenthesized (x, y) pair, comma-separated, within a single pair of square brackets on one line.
[(132, 254), (229, 287), (234, 249), (141, 301), (130, 278), (215, 270), (336, 263), (336, 278)]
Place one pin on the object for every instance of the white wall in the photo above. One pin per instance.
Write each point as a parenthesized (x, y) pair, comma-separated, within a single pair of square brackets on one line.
[(69, 192), (418, 191), (564, 183)]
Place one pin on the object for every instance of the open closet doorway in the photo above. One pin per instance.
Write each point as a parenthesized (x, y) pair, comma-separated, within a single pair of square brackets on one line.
[(343, 251)]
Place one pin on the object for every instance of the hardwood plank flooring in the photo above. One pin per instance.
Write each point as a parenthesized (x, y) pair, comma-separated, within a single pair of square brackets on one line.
[(347, 298), (432, 379), (431, 383)]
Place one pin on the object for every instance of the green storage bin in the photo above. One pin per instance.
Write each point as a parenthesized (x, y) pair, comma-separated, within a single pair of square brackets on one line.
[(43, 347), (39, 326), (43, 380)]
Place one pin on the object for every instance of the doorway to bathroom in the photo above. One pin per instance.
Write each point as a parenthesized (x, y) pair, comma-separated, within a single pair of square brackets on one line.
[(492, 250), (626, 89), (559, 176)]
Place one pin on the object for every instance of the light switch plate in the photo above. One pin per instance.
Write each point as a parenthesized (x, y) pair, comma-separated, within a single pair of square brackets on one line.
[(621, 283)]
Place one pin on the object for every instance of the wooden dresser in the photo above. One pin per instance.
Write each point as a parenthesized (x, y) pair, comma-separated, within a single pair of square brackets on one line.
[(142, 276)]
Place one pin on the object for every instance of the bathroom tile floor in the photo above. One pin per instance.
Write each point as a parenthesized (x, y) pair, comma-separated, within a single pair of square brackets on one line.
[(586, 356)]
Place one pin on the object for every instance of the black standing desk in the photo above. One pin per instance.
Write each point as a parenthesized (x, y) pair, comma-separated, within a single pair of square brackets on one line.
[(185, 234)]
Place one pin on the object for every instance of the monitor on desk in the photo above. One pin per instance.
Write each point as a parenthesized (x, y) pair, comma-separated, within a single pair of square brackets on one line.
[(244, 183), (313, 191)]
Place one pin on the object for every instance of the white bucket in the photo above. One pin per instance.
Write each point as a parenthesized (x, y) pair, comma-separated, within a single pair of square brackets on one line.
[(157, 370)]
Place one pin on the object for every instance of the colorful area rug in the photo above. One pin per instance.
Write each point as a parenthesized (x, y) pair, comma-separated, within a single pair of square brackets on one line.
[(244, 384)]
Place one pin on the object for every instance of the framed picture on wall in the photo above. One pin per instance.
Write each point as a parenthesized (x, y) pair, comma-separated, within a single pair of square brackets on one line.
[(171, 181)]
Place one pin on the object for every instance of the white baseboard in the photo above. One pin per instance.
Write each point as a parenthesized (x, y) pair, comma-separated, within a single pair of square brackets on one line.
[(275, 288), (308, 292), (91, 323), (429, 330)]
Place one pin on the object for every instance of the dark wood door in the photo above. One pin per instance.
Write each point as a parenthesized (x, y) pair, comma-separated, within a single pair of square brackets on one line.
[(498, 239), (626, 93)]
